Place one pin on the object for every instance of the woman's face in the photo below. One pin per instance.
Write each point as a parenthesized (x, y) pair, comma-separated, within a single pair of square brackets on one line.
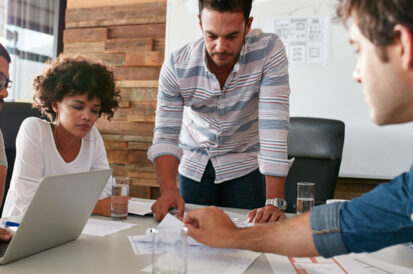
[(77, 114)]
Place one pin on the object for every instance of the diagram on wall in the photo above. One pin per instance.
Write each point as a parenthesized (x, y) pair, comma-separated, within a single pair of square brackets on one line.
[(307, 41)]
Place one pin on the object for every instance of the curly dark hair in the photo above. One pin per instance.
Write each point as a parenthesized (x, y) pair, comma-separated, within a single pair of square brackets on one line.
[(75, 75)]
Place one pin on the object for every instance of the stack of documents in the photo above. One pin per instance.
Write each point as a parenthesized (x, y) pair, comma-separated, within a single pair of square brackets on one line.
[(201, 259), (351, 263)]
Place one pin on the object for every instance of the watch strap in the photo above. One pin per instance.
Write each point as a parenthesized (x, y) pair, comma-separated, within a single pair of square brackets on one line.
[(279, 203)]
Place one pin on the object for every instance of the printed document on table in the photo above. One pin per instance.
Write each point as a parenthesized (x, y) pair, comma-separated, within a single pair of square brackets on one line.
[(138, 242), (201, 259), (205, 260), (96, 227), (351, 263), (140, 208)]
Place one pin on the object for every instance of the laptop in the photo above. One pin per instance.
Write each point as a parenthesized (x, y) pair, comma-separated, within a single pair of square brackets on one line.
[(57, 214)]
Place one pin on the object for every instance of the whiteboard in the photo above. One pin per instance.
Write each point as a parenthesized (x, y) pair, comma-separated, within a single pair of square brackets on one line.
[(326, 91)]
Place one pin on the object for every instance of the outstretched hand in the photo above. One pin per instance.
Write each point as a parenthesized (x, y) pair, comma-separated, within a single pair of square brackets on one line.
[(169, 199)]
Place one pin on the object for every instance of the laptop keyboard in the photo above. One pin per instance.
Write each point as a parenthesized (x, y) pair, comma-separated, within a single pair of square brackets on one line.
[(3, 247)]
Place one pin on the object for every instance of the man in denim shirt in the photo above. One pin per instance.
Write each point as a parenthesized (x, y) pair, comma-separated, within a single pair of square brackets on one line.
[(382, 34)]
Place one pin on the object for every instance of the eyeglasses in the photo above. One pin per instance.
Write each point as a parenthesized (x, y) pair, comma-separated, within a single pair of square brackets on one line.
[(4, 82)]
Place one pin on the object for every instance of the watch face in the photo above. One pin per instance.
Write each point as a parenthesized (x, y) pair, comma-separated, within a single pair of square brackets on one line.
[(280, 203)]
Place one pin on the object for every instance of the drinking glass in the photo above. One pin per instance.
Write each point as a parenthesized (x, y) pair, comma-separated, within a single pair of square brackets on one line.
[(169, 250), (305, 197), (120, 198)]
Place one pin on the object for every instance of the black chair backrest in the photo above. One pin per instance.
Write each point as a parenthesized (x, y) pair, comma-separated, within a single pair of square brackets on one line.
[(317, 145), (11, 117)]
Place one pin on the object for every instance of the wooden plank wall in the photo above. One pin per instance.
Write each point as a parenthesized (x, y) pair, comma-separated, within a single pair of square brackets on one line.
[(129, 35)]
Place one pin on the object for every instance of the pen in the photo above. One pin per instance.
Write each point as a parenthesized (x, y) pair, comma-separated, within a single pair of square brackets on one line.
[(8, 223)]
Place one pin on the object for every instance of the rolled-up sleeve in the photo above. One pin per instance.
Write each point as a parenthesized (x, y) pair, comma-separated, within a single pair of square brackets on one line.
[(325, 228), (379, 218), (274, 113), (169, 112)]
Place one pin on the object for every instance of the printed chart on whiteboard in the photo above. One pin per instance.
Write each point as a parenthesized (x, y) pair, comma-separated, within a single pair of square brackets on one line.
[(307, 40)]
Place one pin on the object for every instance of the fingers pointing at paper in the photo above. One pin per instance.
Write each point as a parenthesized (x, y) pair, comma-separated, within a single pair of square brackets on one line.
[(210, 226), (169, 199)]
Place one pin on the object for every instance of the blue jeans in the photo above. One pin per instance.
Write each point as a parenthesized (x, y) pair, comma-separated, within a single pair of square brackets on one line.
[(379, 218), (246, 192)]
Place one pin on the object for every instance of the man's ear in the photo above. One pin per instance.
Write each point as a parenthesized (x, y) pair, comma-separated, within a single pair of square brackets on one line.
[(200, 21), (405, 37), (248, 26)]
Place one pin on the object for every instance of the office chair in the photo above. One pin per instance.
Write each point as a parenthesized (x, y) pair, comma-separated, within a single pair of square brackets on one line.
[(317, 145), (11, 117)]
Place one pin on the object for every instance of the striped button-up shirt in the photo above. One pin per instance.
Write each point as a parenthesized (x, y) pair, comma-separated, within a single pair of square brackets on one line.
[(238, 128)]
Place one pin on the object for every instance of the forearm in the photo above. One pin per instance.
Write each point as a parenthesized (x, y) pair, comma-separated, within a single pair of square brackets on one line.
[(291, 237), (166, 168), (103, 207), (274, 187)]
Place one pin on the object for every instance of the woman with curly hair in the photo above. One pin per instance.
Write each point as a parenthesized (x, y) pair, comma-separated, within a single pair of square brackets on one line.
[(73, 93)]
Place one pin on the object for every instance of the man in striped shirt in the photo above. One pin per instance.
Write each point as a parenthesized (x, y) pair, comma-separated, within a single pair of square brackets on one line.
[(223, 117)]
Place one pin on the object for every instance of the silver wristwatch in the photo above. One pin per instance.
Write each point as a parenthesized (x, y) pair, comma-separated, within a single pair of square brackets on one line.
[(279, 203)]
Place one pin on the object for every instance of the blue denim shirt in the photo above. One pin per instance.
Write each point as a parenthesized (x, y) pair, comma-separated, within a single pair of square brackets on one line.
[(379, 218)]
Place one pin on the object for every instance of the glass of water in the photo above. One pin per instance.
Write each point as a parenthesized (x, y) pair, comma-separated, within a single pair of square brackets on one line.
[(120, 198), (169, 250), (305, 197)]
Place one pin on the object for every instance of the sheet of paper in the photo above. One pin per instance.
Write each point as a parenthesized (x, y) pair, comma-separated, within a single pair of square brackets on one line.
[(352, 263), (241, 222), (307, 41), (201, 259), (138, 241), (102, 228), (366, 264), (139, 207)]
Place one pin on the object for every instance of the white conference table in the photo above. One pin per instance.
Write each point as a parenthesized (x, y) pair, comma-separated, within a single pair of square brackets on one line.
[(114, 254)]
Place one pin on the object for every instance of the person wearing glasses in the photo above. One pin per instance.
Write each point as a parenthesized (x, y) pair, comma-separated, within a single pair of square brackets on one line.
[(5, 83)]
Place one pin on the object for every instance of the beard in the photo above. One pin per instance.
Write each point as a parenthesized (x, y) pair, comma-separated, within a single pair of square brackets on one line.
[(230, 56)]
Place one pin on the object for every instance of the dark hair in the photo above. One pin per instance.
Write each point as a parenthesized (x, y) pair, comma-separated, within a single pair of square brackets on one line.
[(376, 18), (4, 53), (72, 76), (227, 6)]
